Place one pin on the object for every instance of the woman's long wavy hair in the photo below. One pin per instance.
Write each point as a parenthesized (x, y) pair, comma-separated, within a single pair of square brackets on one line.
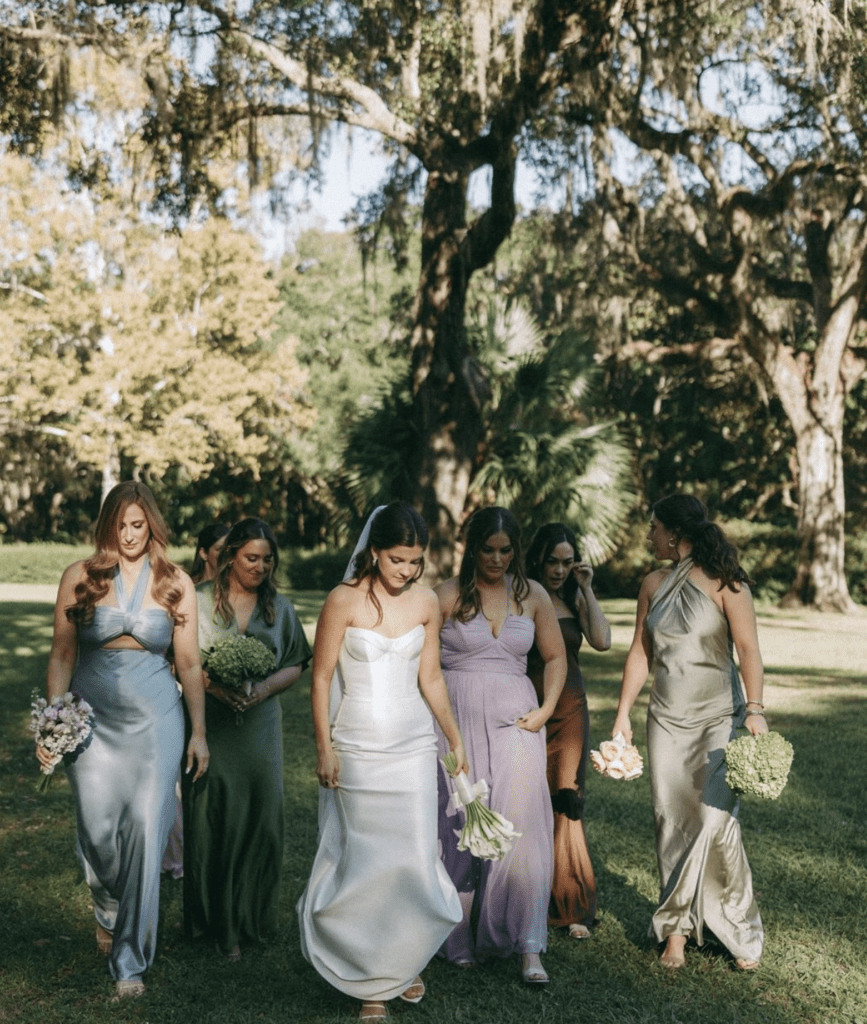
[(99, 568), (397, 525), (239, 535), (207, 538), (484, 524), (686, 517), (547, 538)]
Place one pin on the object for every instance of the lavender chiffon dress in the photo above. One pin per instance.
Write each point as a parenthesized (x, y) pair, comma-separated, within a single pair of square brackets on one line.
[(489, 690)]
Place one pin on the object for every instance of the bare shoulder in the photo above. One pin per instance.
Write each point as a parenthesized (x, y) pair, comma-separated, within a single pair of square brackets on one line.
[(72, 576), (448, 594), (537, 597), (652, 582)]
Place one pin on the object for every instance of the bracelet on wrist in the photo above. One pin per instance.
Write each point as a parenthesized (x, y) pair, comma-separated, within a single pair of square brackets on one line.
[(760, 714), (758, 703)]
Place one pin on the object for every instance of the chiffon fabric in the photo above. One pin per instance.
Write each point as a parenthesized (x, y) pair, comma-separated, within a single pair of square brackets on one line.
[(696, 704), (379, 902), (124, 781), (233, 815), (573, 893), (504, 903)]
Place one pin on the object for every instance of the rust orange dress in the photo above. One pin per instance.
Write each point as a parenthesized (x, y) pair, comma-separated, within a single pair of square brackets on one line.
[(573, 894)]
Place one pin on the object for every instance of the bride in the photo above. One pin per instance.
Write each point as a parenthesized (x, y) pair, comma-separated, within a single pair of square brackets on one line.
[(379, 903)]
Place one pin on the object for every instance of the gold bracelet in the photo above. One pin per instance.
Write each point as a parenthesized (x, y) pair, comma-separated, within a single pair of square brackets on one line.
[(761, 714)]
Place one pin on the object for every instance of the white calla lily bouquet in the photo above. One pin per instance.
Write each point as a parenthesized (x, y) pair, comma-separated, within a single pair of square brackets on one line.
[(486, 833)]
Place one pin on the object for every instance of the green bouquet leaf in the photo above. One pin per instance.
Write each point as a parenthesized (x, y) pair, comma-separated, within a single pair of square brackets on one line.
[(759, 765), (236, 659)]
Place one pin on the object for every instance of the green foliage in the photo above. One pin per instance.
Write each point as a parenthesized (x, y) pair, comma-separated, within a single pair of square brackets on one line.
[(547, 454)]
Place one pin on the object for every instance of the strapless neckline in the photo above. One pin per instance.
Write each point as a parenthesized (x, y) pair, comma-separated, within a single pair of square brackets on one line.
[(382, 636)]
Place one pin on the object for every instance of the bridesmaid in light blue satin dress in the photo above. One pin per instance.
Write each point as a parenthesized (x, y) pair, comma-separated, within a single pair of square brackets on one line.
[(116, 615)]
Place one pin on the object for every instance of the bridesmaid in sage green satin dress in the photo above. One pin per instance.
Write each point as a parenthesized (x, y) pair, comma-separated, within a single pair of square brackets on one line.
[(116, 615), (689, 619), (233, 819)]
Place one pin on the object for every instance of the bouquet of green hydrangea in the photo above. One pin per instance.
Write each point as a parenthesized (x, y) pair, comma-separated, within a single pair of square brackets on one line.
[(235, 661), (759, 765)]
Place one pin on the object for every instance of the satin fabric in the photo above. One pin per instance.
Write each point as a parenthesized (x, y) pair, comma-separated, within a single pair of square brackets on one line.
[(379, 902), (489, 691), (696, 704), (124, 781), (573, 893), (233, 815)]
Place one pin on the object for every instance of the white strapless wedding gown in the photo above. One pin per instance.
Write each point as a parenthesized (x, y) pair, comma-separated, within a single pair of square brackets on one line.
[(379, 902)]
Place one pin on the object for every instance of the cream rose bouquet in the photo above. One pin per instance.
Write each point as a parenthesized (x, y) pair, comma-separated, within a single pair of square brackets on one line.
[(616, 759), (486, 833), (759, 765)]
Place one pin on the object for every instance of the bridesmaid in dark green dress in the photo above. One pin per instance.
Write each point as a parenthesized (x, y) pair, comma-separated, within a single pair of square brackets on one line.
[(233, 823)]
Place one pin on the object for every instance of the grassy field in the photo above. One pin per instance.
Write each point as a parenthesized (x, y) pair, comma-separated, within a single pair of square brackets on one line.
[(807, 852)]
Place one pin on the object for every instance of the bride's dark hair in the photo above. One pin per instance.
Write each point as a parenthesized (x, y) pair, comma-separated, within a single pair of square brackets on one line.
[(397, 525), (686, 517)]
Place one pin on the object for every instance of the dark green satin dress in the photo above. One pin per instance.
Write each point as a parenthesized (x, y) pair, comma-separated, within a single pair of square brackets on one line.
[(233, 816), (695, 706)]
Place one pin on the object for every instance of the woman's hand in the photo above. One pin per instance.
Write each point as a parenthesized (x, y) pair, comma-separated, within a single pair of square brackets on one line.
[(756, 724), (258, 692), (621, 725), (44, 756), (235, 699), (460, 758), (532, 721), (327, 769), (583, 573), (198, 753)]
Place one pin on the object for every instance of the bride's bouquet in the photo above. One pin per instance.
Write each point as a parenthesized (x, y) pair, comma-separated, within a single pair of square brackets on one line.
[(63, 726), (616, 759), (759, 765), (486, 833), (235, 661)]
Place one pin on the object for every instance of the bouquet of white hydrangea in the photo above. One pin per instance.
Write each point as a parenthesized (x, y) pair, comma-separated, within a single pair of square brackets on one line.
[(486, 833), (235, 661), (63, 726), (759, 765)]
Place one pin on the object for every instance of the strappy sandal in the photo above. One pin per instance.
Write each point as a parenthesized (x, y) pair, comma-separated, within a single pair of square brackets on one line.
[(373, 1011), (104, 940), (578, 931), (414, 992), (533, 974), (128, 988)]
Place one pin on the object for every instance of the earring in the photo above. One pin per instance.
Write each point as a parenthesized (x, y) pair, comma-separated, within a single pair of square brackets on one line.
[(672, 543), (375, 561)]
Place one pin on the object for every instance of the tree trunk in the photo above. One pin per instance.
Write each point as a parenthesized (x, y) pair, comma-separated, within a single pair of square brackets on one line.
[(820, 580), (445, 381)]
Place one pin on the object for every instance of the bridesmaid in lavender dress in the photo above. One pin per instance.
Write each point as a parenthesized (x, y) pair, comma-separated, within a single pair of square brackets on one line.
[(492, 619)]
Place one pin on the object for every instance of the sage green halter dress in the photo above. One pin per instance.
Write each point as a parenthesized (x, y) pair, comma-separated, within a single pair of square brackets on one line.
[(696, 704)]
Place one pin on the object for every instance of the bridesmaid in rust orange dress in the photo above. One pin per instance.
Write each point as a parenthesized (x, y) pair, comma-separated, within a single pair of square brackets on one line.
[(553, 561)]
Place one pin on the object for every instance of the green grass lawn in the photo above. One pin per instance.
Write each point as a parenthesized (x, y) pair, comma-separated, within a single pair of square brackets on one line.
[(808, 853)]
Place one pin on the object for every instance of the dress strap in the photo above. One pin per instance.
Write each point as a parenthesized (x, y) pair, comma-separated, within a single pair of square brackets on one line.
[(674, 582), (132, 605)]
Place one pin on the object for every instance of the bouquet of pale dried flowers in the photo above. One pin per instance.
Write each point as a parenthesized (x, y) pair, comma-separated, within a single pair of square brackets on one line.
[(62, 726)]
